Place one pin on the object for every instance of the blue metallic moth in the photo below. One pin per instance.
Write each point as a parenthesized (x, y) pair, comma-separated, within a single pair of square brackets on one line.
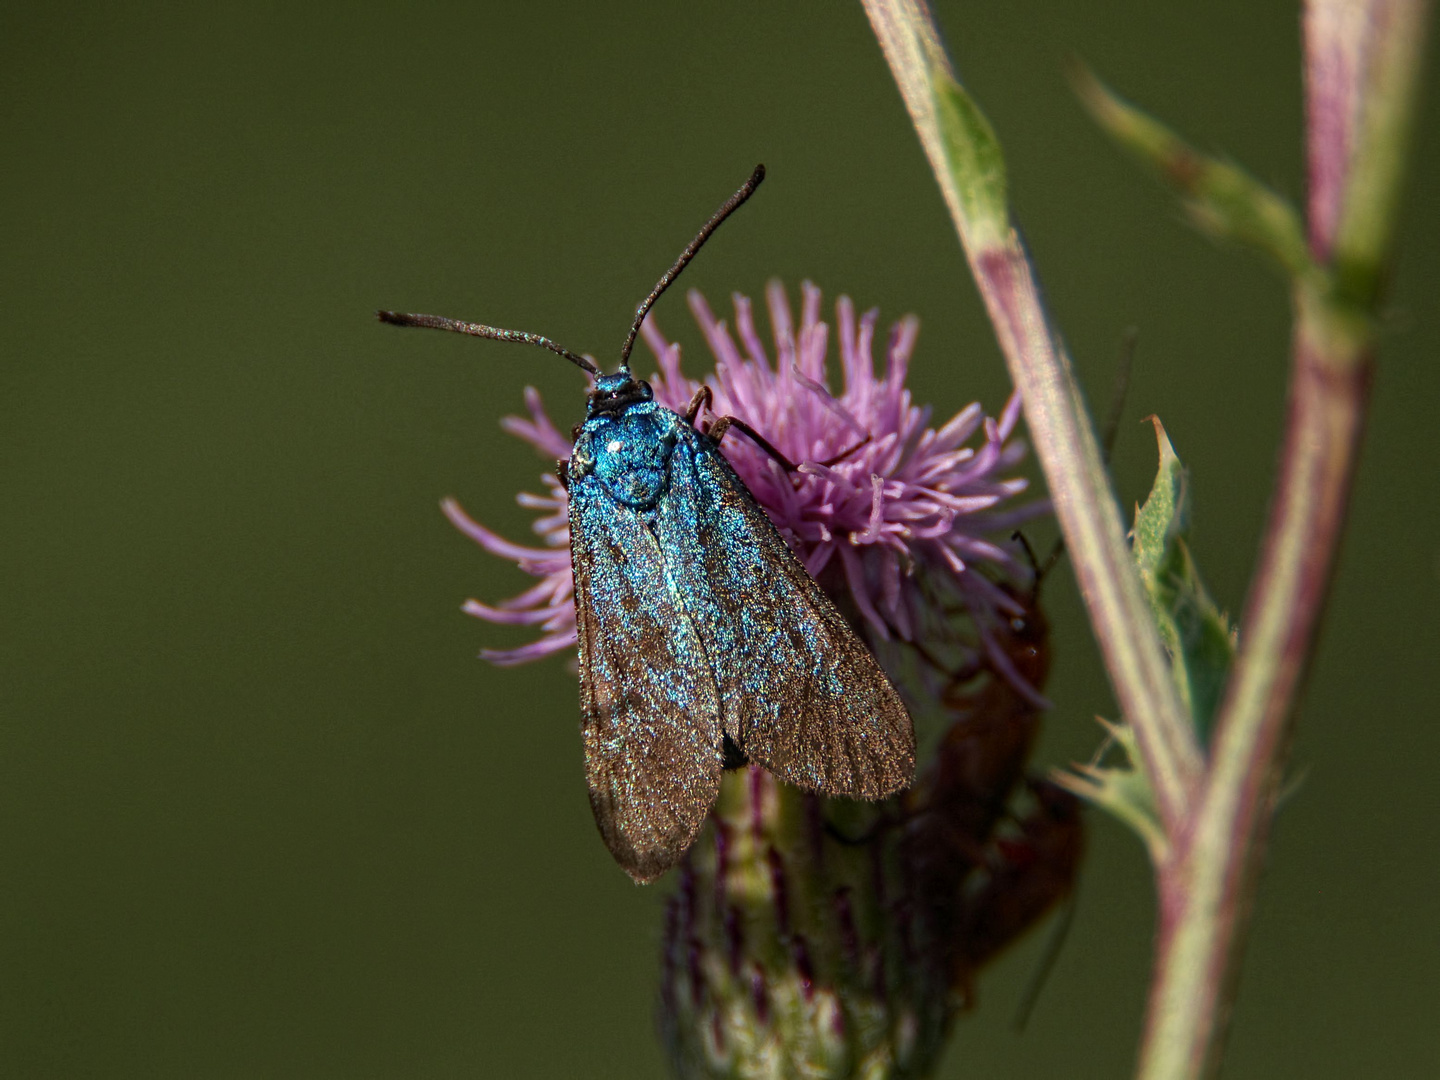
[(704, 643)]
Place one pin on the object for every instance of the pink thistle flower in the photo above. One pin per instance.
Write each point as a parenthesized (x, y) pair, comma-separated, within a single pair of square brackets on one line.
[(895, 518)]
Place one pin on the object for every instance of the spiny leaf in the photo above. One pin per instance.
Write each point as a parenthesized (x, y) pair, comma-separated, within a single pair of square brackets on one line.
[(1122, 789), (1196, 633), (1162, 517)]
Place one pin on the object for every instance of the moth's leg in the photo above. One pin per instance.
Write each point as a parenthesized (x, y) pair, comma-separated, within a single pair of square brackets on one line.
[(734, 757), (562, 472), (846, 453), (702, 400), (725, 423)]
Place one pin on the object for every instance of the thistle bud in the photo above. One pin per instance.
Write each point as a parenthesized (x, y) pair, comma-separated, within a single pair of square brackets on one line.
[(781, 955)]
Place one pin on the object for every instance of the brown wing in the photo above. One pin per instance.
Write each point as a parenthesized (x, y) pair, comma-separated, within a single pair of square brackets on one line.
[(799, 692), (649, 709)]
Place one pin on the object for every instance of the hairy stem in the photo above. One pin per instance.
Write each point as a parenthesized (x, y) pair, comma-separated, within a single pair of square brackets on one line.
[(1059, 423)]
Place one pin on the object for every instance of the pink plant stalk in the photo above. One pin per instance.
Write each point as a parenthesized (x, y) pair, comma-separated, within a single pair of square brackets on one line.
[(1207, 806)]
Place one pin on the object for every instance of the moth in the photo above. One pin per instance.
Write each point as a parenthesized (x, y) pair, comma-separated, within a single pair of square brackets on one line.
[(704, 643)]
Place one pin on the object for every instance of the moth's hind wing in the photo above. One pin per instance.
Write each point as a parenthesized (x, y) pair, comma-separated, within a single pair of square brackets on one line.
[(650, 717), (799, 692)]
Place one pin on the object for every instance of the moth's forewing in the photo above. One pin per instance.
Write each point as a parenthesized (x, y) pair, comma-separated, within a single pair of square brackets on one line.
[(799, 692), (649, 709)]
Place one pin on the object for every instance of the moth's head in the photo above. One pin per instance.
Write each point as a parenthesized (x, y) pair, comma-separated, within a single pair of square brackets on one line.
[(616, 393)]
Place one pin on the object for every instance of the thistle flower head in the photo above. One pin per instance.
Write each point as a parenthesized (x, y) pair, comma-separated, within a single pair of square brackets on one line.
[(897, 519)]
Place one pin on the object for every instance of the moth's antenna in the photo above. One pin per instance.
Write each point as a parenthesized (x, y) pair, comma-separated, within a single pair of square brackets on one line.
[(494, 333), (731, 205)]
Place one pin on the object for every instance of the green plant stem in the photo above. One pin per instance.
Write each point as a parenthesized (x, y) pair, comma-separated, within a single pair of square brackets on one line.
[(1206, 891), (1059, 424)]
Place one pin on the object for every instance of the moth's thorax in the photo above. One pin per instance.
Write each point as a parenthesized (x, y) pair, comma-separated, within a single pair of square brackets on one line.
[(628, 451)]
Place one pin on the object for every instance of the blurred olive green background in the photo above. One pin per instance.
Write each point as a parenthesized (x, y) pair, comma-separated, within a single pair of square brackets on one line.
[(262, 813)]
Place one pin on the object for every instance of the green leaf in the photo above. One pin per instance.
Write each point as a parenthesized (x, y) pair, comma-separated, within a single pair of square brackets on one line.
[(977, 164), (1221, 198), (1163, 514), (1122, 789), (1197, 635)]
